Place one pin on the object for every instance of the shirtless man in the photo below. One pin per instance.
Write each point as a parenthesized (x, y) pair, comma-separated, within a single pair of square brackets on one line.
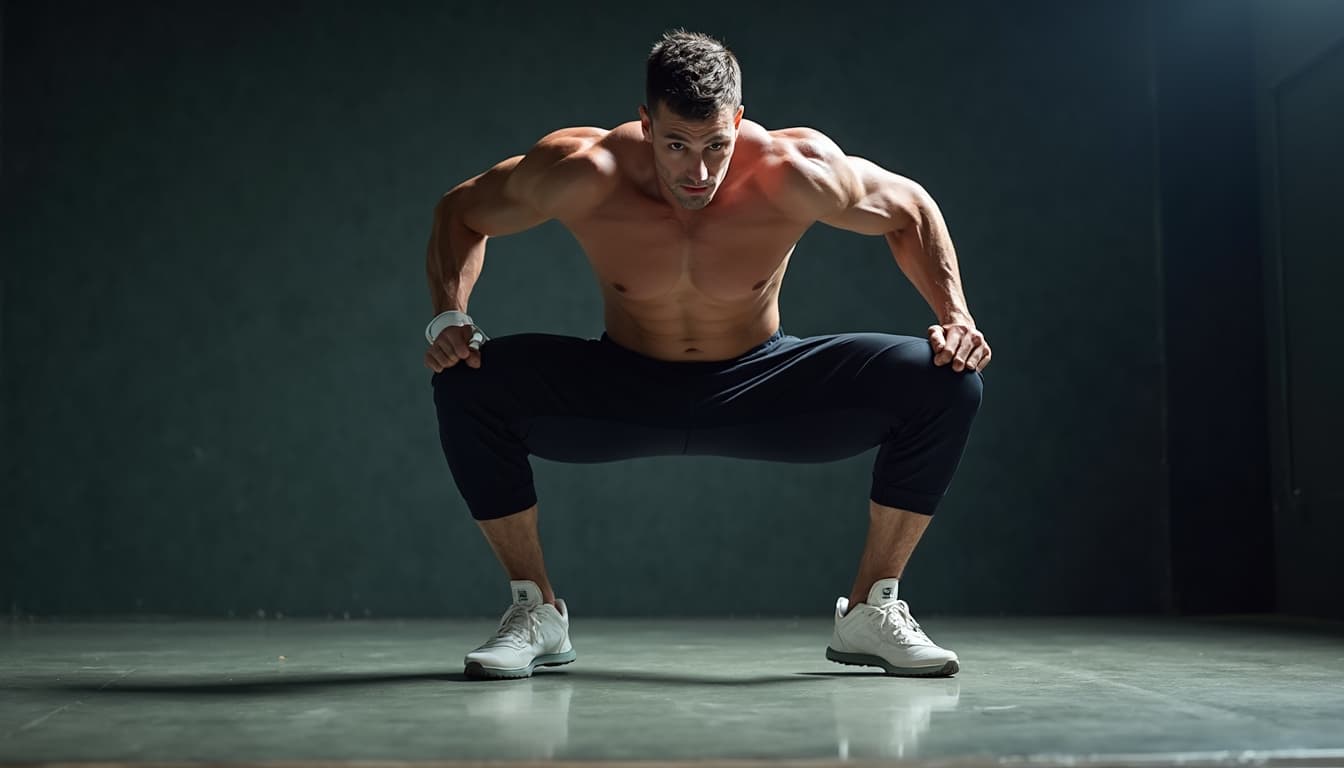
[(688, 218)]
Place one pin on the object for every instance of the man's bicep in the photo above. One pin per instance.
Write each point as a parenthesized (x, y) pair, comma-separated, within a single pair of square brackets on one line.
[(874, 201), (496, 202)]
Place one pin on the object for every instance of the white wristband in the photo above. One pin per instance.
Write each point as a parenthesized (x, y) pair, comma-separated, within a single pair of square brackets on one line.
[(454, 318)]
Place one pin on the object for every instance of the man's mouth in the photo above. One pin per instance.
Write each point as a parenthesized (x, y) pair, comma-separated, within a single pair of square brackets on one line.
[(693, 189)]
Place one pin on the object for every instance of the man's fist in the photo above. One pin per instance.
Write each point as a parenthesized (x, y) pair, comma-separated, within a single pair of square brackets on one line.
[(960, 344), (450, 348)]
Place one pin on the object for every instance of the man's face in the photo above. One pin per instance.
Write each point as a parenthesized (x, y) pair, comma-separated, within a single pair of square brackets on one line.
[(691, 155)]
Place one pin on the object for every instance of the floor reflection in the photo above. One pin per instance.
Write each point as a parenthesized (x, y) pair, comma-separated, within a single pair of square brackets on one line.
[(520, 718), (872, 716), (889, 723)]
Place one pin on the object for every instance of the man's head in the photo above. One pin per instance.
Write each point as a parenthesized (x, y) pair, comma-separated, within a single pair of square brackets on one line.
[(693, 87)]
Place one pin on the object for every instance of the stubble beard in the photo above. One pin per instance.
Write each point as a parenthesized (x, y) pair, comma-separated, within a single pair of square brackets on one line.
[(686, 201), (689, 203), (693, 203)]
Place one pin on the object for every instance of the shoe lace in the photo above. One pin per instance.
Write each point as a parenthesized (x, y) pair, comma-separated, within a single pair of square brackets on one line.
[(519, 628), (903, 626)]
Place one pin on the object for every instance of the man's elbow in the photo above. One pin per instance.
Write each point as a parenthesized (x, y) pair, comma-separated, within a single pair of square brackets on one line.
[(916, 200), (459, 208), (449, 202)]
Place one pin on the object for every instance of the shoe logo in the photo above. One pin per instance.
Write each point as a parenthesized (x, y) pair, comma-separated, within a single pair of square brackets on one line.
[(886, 591), (522, 595)]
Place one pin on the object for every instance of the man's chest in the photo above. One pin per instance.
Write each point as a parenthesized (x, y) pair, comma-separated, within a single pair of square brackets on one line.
[(639, 249)]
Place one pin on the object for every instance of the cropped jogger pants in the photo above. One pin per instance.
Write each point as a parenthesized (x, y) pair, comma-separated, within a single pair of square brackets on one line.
[(790, 399)]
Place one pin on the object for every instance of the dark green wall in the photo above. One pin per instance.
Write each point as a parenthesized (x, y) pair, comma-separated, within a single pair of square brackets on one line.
[(215, 220), (1213, 308), (1300, 109), (7, 577)]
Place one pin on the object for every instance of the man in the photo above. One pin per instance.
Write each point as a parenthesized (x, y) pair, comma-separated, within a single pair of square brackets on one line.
[(688, 218)]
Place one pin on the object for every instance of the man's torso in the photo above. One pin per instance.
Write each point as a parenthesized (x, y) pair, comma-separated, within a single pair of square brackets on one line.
[(689, 285)]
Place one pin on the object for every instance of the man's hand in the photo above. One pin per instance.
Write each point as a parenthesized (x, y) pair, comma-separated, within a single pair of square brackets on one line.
[(450, 348), (960, 344)]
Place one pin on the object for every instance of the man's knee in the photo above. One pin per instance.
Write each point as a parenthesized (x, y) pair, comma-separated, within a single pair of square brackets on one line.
[(461, 384), (462, 400), (968, 390), (913, 374)]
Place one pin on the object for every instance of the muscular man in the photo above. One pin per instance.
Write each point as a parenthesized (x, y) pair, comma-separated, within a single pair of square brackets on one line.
[(688, 218)]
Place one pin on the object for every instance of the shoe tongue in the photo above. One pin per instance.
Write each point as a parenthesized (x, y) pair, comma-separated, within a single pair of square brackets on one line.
[(883, 592), (526, 593)]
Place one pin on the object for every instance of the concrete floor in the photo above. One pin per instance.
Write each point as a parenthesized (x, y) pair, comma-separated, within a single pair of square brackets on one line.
[(1043, 691)]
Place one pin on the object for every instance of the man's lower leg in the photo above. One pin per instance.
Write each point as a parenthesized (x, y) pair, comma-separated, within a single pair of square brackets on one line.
[(518, 546), (892, 536)]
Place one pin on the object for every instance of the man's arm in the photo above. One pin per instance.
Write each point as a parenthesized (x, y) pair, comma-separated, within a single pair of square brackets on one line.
[(559, 177), (855, 194)]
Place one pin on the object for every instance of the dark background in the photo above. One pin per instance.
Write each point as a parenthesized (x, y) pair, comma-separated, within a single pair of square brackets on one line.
[(213, 297)]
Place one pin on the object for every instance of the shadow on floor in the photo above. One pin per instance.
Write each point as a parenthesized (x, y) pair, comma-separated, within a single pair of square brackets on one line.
[(196, 685)]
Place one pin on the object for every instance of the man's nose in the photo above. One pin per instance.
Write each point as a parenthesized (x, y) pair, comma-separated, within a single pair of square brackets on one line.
[(701, 172)]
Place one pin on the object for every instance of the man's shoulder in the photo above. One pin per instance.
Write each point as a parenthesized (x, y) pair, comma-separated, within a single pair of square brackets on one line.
[(578, 146), (568, 170), (805, 171), (799, 150)]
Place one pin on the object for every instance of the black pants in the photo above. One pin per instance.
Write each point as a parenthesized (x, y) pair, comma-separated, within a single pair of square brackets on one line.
[(817, 399)]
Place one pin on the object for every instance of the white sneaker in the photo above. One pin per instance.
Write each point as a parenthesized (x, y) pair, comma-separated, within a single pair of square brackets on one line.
[(531, 634), (882, 633)]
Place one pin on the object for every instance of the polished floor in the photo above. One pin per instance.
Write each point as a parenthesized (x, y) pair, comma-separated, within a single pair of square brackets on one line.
[(1031, 691)]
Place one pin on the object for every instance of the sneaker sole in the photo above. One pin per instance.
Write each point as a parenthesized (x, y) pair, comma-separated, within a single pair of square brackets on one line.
[(477, 670), (867, 660)]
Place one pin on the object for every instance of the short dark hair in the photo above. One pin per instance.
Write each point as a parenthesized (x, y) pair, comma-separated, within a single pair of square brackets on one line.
[(693, 74)]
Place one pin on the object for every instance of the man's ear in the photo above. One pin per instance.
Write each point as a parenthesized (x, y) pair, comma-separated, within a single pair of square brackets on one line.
[(646, 122), (737, 118)]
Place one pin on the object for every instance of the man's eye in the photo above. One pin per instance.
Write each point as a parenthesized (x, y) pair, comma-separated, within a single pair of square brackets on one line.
[(674, 146), (716, 146)]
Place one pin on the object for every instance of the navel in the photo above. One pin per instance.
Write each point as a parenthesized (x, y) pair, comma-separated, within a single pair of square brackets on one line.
[(618, 287)]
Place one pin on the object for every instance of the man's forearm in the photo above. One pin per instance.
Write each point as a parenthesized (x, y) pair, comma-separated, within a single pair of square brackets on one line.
[(453, 260), (924, 252)]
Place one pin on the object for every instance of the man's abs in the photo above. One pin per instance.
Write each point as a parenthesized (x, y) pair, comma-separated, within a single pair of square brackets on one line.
[(689, 331)]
